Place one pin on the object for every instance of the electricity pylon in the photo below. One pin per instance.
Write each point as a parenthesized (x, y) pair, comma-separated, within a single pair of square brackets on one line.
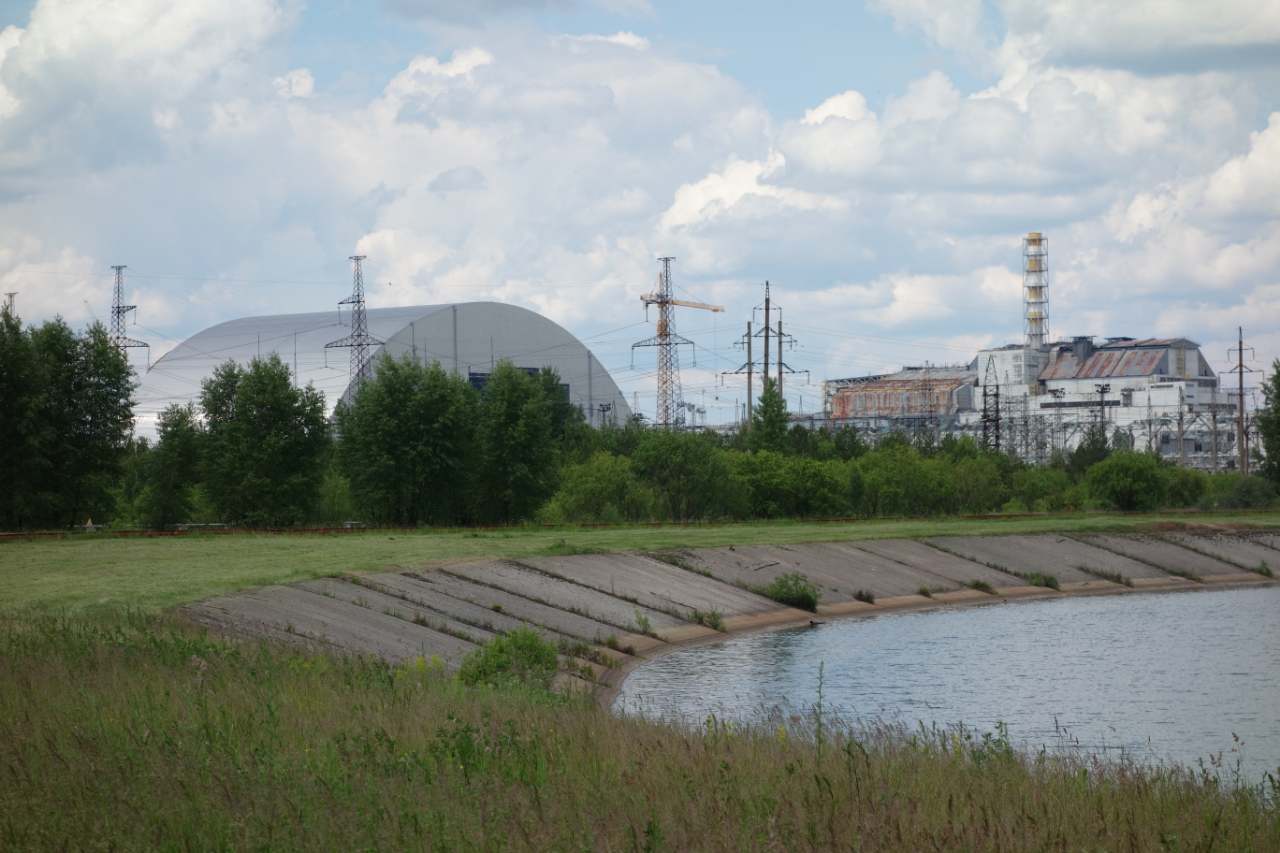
[(359, 340), (669, 414), (118, 312)]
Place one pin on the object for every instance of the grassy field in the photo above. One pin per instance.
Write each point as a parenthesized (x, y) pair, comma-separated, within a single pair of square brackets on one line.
[(165, 571), (129, 731)]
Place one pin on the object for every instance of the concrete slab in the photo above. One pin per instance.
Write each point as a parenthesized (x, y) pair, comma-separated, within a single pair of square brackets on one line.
[(330, 622), (529, 581), (1236, 550), (925, 558), (496, 621), (372, 599), (1266, 540), (1167, 555), (839, 569), (653, 584), (1054, 555), (428, 584)]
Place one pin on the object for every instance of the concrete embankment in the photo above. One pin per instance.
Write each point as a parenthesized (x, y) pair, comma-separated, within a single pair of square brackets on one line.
[(618, 610)]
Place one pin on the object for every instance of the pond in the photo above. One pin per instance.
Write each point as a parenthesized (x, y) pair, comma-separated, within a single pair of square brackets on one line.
[(1164, 676)]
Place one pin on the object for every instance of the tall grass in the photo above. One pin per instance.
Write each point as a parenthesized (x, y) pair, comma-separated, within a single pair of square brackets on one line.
[(123, 730)]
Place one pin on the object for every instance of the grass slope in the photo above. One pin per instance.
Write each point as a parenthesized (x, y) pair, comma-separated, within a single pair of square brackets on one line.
[(131, 731), (166, 571)]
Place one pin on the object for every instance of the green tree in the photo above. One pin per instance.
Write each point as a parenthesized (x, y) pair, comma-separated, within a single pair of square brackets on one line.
[(566, 418), (86, 413), (976, 481), (516, 449), (23, 429), (848, 444), (265, 445), (1267, 421), (898, 481), (406, 443), (132, 483), (690, 474), (769, 421), (767, 477), (1091, 450), (817, 489), (1128, 481), (172, 468)]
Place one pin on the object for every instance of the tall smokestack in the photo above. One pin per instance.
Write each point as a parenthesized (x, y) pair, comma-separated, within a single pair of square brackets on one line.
[(1035, 289)]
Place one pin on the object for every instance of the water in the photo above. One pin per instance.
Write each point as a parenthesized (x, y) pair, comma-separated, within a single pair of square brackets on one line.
[(1168, 677)]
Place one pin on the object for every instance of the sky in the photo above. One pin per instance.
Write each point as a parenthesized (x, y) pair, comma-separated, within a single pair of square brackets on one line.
[(877, 163)]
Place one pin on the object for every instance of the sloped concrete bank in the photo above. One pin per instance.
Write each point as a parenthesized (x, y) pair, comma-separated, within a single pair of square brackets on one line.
[(613, 612)]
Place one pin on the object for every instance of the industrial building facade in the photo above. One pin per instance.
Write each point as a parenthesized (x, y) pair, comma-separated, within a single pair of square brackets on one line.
[(1038, 396)]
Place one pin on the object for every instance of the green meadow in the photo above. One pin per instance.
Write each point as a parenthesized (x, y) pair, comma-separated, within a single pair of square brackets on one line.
[(164, 571)]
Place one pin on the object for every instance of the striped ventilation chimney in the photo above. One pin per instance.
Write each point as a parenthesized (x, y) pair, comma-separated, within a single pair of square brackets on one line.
[(1035, 289)]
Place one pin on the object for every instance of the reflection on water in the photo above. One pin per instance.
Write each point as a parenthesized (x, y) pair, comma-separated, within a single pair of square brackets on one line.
[(1165, 676)]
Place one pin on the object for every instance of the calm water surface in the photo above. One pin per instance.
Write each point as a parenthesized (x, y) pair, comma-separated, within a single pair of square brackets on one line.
[(1167, 676)]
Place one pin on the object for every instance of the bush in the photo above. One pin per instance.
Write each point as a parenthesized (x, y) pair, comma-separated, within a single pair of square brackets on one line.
[(522, 657), (690, 475), (1041, 489), (1250, 492), (602, 489), (793, 590), (1128, 481), (1186, 486)]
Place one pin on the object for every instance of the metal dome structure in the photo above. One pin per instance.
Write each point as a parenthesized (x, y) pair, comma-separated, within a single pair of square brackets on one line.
[(468, 338)]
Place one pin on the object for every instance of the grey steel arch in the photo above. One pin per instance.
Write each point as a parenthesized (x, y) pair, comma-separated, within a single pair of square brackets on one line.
[(469, 338)]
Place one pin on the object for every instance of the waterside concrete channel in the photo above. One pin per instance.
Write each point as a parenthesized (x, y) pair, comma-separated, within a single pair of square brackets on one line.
[(619, 610)]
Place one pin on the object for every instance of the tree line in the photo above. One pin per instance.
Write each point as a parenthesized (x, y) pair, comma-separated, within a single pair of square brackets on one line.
[(418, 445)]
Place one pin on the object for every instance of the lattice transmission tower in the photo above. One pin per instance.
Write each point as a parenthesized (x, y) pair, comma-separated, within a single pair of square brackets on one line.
[(117, 335), (670, 407), (991, 407), (359, 340)]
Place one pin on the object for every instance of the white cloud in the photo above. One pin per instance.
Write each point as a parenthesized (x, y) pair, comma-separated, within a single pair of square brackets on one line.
[(953, 24), (298, 83), (1250, 183), (733, 189), (1159, 31)]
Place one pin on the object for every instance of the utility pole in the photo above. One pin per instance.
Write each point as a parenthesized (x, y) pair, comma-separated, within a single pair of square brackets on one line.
[(1242, 441), (9, 300), (1215, 437), (765, 372), (118, 312), (669, 413), (359, 340), (1182, 444), (1102, 405)]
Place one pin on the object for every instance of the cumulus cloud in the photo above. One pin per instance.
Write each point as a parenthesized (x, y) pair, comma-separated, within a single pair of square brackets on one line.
[(1152, 35), (550, 170)]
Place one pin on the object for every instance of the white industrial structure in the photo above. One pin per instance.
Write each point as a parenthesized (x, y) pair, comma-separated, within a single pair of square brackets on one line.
[(466, 338), (1044, 395)]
